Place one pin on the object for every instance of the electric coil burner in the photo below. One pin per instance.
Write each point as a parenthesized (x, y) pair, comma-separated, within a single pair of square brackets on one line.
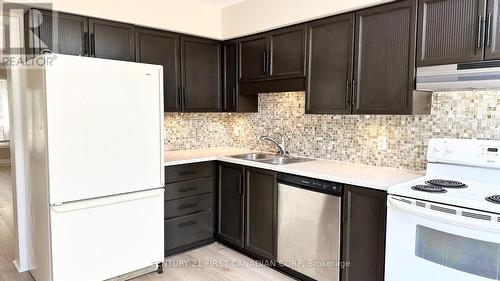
[(429, 188), (494, 199), (446, 183)]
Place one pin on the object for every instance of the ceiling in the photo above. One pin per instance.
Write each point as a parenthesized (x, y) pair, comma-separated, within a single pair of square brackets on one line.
[(219, 3)]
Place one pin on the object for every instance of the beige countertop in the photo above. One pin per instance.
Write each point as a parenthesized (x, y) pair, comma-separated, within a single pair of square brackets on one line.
[(343, 172)]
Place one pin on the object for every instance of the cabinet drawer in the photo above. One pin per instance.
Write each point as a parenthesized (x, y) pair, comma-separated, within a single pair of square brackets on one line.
[(188, 188), (188, 229), (186, 206), (188, 172)]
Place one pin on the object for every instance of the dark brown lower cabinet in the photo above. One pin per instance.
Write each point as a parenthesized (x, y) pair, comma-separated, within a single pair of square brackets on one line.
[(188, 207), (248, 209), (230, 211), (261, 202), (364, 234)]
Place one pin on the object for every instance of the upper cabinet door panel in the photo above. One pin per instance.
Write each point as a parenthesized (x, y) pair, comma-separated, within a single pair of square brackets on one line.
[(385, 59), (230, 76), (61, 33), (492, 39), (287, 52), (157, 47), (450, 31), (253, 58), (201, 74), (112, 40), (330, 54)]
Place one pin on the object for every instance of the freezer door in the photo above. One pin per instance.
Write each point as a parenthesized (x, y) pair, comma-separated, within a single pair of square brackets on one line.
[(102, 238), (104, 123)]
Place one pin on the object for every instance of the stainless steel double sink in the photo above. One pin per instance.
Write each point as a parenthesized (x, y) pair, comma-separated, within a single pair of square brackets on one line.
[(272, 158)]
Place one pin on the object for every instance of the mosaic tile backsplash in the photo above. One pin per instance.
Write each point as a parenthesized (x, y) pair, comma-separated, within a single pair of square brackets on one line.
[(352, 138)]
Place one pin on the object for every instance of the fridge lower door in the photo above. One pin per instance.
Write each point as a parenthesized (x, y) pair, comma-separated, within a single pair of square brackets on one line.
[(102, 238)]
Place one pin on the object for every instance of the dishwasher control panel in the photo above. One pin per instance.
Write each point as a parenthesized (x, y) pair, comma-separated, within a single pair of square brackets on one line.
[(329, 187)]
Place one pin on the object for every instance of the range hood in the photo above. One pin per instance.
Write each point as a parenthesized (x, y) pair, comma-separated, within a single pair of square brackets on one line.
[(476, 75)]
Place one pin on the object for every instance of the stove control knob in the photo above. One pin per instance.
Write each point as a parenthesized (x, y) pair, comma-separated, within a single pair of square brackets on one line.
[(450, 148)]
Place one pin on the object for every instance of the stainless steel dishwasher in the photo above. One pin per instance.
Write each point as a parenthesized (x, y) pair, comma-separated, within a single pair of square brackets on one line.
[(309, 230)]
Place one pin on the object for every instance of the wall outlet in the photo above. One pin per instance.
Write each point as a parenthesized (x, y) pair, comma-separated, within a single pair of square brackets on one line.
[(382, 143)]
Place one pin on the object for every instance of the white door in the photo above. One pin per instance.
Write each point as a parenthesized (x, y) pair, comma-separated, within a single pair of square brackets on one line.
[(102, 238), (425, 244), (104, 123)]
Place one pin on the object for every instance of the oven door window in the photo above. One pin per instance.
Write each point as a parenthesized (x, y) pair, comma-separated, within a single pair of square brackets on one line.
[(469, 255)]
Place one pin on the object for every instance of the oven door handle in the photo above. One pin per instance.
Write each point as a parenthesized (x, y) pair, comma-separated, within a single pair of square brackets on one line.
[(459, 220)]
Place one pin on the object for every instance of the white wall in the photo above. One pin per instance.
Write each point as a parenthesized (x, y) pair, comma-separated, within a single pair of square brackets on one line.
[(208, 18), (187, 16), (252, 16)]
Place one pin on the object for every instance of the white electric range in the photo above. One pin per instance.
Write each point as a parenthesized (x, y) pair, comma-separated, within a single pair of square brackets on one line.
[(446, 224)]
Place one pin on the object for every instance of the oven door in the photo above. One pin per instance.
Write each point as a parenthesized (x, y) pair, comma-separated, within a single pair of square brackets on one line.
[(427, 241)]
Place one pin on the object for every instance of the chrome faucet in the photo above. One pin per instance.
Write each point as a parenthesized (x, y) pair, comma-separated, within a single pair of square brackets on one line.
[(281, 146)]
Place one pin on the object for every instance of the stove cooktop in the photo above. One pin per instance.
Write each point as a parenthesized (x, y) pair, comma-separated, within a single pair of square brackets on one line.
[(474, 195), (462, 173)]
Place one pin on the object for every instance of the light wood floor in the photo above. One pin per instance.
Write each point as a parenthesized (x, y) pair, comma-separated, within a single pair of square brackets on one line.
[(211, 263)]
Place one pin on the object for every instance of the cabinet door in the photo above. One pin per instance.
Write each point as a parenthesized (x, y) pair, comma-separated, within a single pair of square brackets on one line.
[(261, 213), (112, 40), (253, 58), (492, 38), (450, 31), (230, 76), (58, 32), (158, 47), (201, 74), (385, 59), (330, 58), (287, 52), (230, 200), (364, 234)]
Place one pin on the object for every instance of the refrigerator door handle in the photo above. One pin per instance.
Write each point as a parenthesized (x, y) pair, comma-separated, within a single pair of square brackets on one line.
[(104, 201)]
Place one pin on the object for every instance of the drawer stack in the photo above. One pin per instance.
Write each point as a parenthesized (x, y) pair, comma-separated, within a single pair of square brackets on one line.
[(188, 206)]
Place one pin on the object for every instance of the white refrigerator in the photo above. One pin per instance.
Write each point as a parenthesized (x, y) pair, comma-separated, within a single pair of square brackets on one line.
[(95, 141)]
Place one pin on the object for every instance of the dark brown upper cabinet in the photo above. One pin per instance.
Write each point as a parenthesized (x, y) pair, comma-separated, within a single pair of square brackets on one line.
[(57, 32), (232, 100), (450, 31), (261, 197), (230, 203), (287, 52), (163, 48), (201, 74), (329, 65), (384, 65), (230, 76), (273, 55), (253, 58), (364, 234), (492, 37), (111, 40), (76, 35)]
